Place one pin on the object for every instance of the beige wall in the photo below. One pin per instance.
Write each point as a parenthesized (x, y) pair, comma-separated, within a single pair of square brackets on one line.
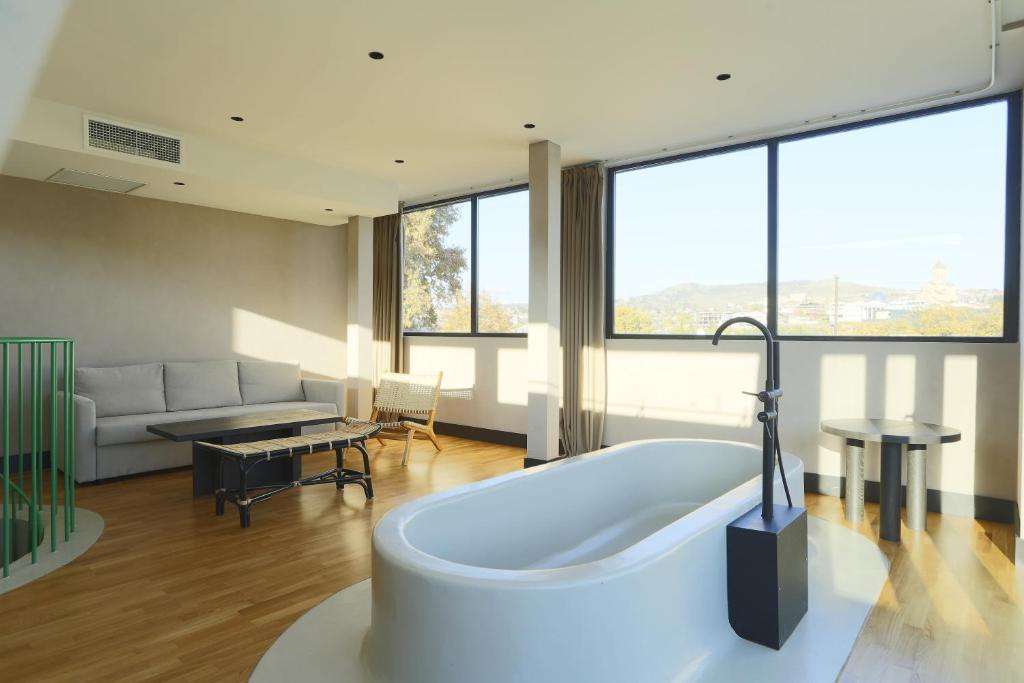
[(668, 388), (136, 280)]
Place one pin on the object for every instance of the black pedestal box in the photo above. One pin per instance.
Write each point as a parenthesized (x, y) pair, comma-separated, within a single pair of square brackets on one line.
[(767, 574)]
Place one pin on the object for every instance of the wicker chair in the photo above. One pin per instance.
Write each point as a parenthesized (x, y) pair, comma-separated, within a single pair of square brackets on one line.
[(402, 396)]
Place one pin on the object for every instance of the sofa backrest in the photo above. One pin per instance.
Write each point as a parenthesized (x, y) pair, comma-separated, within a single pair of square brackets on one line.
[(269, 382), (202, 384), (125, 390), (162, 387)]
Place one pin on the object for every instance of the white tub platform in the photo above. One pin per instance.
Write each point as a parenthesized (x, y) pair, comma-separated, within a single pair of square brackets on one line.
[(846, 574)]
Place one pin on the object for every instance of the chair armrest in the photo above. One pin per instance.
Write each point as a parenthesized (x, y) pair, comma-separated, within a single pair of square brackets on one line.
[(84, 436), (325, 391)]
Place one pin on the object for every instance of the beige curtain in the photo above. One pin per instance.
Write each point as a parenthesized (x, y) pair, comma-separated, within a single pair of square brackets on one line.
[(582, 320), (387, 295)]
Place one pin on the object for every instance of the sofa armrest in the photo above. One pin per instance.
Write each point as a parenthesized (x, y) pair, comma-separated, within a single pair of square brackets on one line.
[(325, 391), (84, 436)]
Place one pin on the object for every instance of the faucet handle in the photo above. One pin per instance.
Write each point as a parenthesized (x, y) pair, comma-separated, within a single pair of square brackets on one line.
[(766, 395)]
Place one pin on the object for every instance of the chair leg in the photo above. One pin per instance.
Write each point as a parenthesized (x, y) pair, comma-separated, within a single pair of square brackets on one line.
[(408, 447), (368, 481), (433, 439), (381, 441)]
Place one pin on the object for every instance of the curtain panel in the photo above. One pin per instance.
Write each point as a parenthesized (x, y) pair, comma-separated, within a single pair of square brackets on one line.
[(582, 310), (387, 295)]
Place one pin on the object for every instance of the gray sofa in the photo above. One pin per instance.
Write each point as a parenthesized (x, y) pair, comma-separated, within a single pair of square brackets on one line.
[(113, 407)]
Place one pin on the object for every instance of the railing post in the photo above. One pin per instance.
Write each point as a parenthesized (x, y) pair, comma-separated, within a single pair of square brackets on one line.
[(68, 407), (8, 504), (53, 446), (71, 468), (21, 422), (33, 511)]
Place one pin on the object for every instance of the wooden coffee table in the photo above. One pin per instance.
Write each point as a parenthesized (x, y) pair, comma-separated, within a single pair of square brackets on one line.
[(240, 429)]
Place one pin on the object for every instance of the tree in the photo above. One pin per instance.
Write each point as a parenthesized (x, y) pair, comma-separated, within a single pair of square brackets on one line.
[(491, 315), (632, 320), (433, 268), (681, 322)]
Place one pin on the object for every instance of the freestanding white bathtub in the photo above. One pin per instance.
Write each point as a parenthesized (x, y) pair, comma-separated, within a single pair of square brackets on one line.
[(606, 567)]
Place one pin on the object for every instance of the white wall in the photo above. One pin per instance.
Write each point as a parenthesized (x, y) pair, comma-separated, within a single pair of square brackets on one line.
[(665, 388), (136, 280), (495, 369)]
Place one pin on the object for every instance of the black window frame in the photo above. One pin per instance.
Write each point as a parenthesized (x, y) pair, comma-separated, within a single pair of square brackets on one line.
[(1011, 255), (474, 200)]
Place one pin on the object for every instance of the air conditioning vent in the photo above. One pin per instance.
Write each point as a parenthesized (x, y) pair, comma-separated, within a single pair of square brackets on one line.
[(134, 142), (94, 181)]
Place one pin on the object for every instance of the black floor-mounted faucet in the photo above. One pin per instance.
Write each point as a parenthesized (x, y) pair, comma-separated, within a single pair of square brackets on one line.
[(767, 553), (769, 417)]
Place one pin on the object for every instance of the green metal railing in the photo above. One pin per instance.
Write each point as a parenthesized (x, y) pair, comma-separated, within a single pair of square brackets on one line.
[(50, 363)]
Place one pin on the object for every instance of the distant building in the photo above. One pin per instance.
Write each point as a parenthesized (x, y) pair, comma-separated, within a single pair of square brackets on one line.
[(938, 290)]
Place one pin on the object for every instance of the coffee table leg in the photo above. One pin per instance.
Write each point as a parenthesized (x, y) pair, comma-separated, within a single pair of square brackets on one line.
[(243, 496), (892, 466), (220, 492), (854, 480), (917, 487), (339, 460), (367, 481)]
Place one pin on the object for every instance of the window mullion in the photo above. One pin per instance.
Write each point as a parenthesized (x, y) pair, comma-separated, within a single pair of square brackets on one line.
[(773, 237), (473, 275)]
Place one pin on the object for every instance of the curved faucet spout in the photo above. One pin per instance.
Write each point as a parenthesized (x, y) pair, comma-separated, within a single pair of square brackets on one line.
[(765, 332)]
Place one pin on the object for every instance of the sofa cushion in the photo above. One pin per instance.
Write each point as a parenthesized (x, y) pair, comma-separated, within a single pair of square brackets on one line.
[(268, 382), (132, 428), (206, 384), (125, 390)]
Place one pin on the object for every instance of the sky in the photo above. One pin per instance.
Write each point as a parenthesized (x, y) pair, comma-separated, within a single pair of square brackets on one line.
[(876, 206)]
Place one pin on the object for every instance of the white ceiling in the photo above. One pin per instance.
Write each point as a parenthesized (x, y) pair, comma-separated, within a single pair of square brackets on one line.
[(606, 79)]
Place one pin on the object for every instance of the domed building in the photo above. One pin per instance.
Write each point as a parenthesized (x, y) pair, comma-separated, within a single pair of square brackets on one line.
[(938, 290)]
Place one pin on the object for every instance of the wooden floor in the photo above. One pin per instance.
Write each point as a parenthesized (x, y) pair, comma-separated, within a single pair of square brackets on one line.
[(172, 593)]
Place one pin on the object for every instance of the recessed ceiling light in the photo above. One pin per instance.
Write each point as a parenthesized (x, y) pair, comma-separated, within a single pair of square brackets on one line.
[(178, 182), (399, 161), (723, 77), (376, 55), (529, 125), (237, 118), (328, 209)]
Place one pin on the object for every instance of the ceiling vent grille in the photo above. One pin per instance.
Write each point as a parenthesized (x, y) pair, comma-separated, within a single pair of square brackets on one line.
[(94, 181), (134, 142)]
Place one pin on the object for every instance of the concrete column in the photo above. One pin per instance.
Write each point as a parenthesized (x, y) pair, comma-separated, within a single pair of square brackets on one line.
[(542, 345), (359, 342)]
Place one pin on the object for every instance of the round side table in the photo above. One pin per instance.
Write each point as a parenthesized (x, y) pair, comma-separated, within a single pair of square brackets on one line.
[(892, 435)]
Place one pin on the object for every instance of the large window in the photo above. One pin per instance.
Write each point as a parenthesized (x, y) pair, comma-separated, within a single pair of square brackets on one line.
[(503, 258), (896, 230), (901, 228), (467, 265), (689, 243)]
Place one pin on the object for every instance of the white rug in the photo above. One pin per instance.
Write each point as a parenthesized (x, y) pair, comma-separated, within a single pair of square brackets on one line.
[(88, 527), (846, 574)]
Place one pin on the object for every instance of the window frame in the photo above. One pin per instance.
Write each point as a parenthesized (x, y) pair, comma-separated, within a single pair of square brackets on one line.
[(474, 200), (1011, 244)]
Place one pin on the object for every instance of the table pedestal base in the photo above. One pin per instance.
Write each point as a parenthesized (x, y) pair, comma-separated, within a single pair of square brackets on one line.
[(892, 470), (917, 487), (854, 481)]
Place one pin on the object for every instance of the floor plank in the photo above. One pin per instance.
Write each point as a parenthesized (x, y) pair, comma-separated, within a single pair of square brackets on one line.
[(172, 593)]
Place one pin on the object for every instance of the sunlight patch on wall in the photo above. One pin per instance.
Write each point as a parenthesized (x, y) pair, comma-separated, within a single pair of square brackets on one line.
[(263, 338), (843, 392), (458, 363), (512, 377), (900, 386), (695, 387), (955, 469)]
